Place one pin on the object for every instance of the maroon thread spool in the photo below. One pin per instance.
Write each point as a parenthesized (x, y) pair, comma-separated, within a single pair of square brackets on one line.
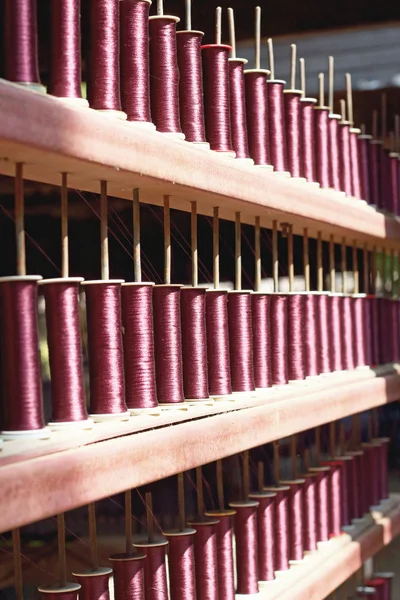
[(219, 366), (277, 127), (373, 318), (65, 352), (292, 103), (367, 330), (364, 153), (355, 164), (310, 334), (296, 518), (394, 182), (279, 339), (168, 349), (322, 493), (21, 43), (310, 512), (260, 310), (296, 347), (241, 341), (375, 151), (281, 526), (394, 310), (307, 134), (371, 466), (335, 332), (191, 100), (347, 333), (224, 528), (194, 343), (334, 165), (128, 575), (181, 568), (94, 584), (265, 534), (164, 75), (335, 496), (216, 96), (375, 486), (67, 592), (385, 331), (139, 364), (103, 89), (256, 88), (105, 349), (321, 126), (358, 318), (237, 93), (383, 467), (135, 60), (65, 67), (323, 337), (155, 570), (381, 585), (345, 157), (387, 576), (206, 558), (22, 402), (354, 484), (246, 546), (344, 464), (385, 180)]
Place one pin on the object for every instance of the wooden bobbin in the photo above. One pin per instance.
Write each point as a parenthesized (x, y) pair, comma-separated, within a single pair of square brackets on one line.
[(69, 588)]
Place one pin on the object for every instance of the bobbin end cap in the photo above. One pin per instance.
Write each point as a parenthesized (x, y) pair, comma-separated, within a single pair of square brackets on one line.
[(179, 532), (59, 589), (123, 557), (143, 542), (99, 572), (199, 521)]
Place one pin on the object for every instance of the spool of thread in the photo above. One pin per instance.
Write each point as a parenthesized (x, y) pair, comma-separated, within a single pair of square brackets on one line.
[(168, 349), (370, 467), (279, 339), (364, 153), (385, 192), (65, 67), (383, 467), (345, 157), (224, 528), (237, 93), (381, 585), (164, 75), (277, 126), (307, 133), (245, 521), (103, 77), (260, 310), (265, 534), (194, 343), (334, 163), (256, 89), (296, 346), (128, 576), (344, 463), (155, 571), (373, 319), (355, 163), (387, 576), (394, 310), (322, 491), (323, 329), (310, 512), (281, 526), (296, 518), (219, 369), (354, 485), (137, 323), (22, 403), (375, 148), (65, 352), (21, 43), (310, 334), (358, 318), (347, 333), (67, 592), (335, 332), (94, 584), (105, 349), (206, 558), (241, 341), (335, 496), (292, 101), (367, 331), (385, 331), (191, 100), (135, 61), (181, 568), (394, 182), (216, 96), (321, 124), (375, 457)]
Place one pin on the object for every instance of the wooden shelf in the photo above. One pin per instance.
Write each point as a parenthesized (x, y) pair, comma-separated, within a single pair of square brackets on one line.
[(323, 572), (51, 137), (42, 478)]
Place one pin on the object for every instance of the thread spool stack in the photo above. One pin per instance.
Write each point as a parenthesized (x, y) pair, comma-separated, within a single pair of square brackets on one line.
[(276, 116), (293, 110), (307, 131)]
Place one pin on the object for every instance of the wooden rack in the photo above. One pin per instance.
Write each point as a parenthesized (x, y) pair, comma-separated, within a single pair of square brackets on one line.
[(40, 479)]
